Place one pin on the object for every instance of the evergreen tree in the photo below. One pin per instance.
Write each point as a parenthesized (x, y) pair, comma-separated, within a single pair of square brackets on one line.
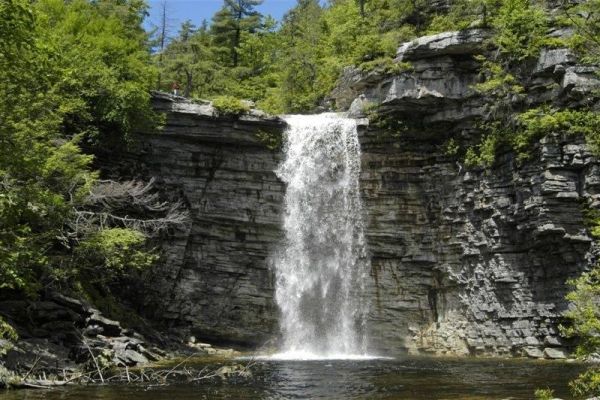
[(229, 24), (69, 71)]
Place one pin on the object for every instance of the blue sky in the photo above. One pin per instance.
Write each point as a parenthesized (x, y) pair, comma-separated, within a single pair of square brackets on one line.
[(197, 10)]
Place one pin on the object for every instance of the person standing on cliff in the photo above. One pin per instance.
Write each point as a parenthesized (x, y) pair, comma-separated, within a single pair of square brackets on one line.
[(175, 88)]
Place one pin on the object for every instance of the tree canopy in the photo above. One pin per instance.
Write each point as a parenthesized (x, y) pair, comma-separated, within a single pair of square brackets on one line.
[(71, 73)]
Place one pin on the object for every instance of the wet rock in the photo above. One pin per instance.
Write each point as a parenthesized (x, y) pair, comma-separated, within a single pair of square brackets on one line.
[(215, 282), (533, 352), (130, 357), (554, 353)]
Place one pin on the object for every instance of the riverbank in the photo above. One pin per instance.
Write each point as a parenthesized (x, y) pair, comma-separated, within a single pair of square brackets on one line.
[(65, 341)]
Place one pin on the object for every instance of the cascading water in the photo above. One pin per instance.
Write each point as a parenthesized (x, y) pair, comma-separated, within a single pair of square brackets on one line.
[(322, 265)]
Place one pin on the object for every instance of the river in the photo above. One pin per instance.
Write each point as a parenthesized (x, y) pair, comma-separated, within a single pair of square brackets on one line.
[(405, 378)]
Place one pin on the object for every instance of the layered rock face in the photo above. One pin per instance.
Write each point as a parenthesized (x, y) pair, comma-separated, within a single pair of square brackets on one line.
[(474, 263), (469, 261), (464, 261), (214, 281)]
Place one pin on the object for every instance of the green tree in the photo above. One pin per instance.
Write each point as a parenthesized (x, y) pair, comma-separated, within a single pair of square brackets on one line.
[(585, 17), (69, 71), (299, 64), (182, 56), (229, 24)]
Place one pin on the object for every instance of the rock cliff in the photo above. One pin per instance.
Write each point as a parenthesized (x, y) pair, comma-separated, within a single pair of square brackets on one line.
[(470, 261), (214, 281), (464, 261)]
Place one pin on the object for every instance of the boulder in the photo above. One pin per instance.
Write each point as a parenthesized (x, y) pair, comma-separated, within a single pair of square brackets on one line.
[(554, 61), (555, 353)]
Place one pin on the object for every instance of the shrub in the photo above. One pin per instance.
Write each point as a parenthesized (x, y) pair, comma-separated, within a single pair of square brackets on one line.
[(544, 394), (587, 384), (229, 105), (115, 251), (521, 29), (7, 332)]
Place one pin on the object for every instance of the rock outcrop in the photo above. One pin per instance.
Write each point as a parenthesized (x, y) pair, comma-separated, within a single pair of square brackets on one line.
[(58, 333), (464, 261), (470, 261), (214, 281)]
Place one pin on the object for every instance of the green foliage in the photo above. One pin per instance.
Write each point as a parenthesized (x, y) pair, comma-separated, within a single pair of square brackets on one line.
[(497, 81), (544, 394), (294, 65), (114, 251), (587, 384), (451, 147), (584, 315), (521, 28), (69, 72), (521, 130), (229, 105), (7, 332), (584, 17), (385, 66), (235, 18), (485, 155), (464, 14), (273, 140), (520, 31), (538, 122)]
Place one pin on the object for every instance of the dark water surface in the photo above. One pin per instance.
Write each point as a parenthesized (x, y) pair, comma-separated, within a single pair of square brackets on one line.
[(405, 378)]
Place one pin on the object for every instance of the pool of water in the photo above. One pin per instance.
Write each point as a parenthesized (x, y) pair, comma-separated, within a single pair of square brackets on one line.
[(403, 378)]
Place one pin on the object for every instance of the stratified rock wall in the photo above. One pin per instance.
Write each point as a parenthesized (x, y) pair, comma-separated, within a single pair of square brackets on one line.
[(474, 263), (469, 261), (464, 261), (214, 281)]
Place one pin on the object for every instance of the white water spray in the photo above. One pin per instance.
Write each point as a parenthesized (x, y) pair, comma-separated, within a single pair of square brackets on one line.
[(322, 265)]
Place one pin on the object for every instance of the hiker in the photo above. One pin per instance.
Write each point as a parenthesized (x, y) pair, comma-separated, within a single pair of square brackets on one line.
[(175, 88)]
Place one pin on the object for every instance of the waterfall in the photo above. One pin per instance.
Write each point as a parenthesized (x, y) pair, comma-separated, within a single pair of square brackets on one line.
[(322, 265)]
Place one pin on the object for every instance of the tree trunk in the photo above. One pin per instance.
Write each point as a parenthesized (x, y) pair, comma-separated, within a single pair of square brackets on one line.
[(188, 83), (163, 34)]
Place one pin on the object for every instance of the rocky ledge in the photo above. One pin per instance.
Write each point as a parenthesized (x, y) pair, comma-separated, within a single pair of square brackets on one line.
[(59, 334), (466, 261)]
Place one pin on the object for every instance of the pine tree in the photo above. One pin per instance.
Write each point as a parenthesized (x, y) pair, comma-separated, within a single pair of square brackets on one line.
[(236, 17)]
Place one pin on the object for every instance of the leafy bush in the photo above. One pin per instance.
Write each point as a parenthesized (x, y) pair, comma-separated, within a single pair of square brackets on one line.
[(584, 315), (464, 14), (114, 251), (585, 19), (544, 394), (538, 122), (520, 29), (7, 332), (273, 140), (229, 105), (587, 384)]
